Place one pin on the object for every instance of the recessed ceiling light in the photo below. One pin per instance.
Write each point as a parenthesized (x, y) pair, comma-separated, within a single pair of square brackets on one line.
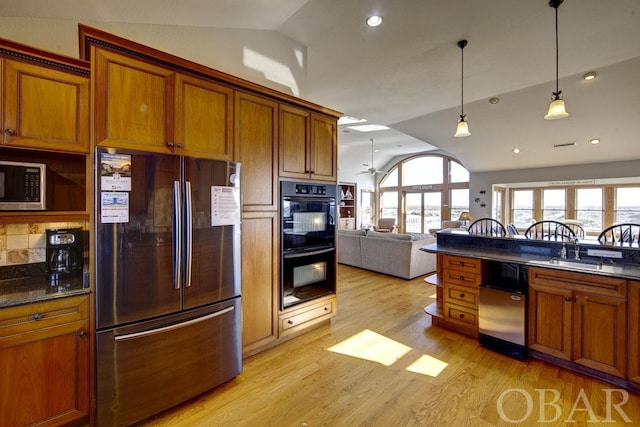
[(594, 141), (516, 150), (590, 75), (369, 128), (494, 100), (374, 20)]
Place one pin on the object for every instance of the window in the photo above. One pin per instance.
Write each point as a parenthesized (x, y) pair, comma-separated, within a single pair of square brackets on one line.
[(589, 208), (627, 205), (522, 211), (459, 202), (422, 170), (391, 180), (457, 173), (413, 219), (553, 204), (366, 210), (389, 205), (432, 210)]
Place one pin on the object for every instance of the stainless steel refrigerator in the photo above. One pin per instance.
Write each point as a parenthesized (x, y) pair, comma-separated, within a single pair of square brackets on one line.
[(168, 282)]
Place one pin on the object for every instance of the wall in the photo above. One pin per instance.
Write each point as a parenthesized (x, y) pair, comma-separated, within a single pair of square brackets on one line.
[(264, 57), (485, 180)]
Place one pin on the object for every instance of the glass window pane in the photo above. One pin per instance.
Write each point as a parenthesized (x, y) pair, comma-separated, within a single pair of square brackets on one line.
[(522, 208), (497, 205), (459, 202), (422, 170), (413, 216), (389, 205), (432, 209), (365, 208), (589, 208), (627, 209), (391, 180), (553, 204), (457, 173)]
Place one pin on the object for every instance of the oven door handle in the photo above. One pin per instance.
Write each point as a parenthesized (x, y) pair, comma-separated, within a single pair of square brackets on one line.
[(305, 254)]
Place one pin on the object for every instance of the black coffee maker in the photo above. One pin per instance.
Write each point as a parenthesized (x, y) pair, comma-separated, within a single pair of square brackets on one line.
[(64, 254)]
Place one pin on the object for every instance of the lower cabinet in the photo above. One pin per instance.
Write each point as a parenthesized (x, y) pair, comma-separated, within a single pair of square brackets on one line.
[(44, 363), (580, 318), (307, 314), (260, 280), (634, 333), (461, 278)]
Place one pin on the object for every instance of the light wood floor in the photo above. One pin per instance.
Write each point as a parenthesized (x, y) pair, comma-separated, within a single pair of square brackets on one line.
[(303, 383)]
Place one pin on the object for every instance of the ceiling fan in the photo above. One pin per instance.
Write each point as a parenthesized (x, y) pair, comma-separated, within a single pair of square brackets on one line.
[(372, 170)]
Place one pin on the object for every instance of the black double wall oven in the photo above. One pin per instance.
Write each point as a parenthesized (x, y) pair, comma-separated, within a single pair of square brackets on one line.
[(308, 236)]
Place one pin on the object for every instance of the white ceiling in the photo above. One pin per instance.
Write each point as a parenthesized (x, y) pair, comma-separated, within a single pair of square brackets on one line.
[(406, 73)]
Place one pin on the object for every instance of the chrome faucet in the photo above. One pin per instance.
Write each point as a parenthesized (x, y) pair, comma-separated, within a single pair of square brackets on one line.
[(576, 250), (563, 251)]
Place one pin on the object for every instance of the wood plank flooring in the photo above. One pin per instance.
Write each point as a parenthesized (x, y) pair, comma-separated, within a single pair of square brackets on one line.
[(303, 383)]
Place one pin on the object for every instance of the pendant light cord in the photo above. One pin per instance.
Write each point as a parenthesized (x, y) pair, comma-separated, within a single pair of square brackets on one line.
[(557, 54), (462, 85)]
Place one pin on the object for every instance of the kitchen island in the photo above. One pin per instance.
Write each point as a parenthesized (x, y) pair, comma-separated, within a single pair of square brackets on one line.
[(581, 310)]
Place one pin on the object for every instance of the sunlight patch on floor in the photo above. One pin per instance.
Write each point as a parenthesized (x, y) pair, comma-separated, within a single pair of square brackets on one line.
[(371, 346), (427, 365)]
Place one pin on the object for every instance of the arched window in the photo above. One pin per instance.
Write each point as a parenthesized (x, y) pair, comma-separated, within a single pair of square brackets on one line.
[(422, 191)]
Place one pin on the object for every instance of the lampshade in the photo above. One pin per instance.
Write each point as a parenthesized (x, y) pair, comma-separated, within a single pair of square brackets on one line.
[(556, 110), (465, 216), (462, 129)]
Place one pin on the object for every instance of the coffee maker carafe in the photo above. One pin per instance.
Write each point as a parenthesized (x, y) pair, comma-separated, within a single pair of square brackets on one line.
[(64, 253)]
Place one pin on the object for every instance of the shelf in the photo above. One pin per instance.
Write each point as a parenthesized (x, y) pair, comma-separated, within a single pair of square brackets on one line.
[(434, 310), (433, 279)]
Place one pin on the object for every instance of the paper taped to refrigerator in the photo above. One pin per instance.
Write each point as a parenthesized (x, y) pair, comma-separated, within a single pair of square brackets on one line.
[(114, 207), (115, 172), (225, 205)]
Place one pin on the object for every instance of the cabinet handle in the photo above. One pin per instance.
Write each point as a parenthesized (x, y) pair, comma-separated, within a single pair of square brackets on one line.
[(82, 333), (461, 277), (169, 144), (326, 309), (567, 299), (10, 132), (37, 316), (290, 322), (461, 263), (180, 145), (461, 316), (461, 295)]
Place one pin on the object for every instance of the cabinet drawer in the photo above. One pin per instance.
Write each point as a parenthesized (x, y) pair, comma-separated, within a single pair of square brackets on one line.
[(460, 315), (591, 283), (306, 315), (461, 278), (462, 264), (29, 317), (461, 295)]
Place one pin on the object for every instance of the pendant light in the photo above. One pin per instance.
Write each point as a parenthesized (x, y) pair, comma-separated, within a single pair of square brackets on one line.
[(463, 127), (556, 108)]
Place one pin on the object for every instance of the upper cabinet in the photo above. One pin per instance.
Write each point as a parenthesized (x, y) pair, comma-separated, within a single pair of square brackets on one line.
[(143, 106), (45, 101), (308, 144)]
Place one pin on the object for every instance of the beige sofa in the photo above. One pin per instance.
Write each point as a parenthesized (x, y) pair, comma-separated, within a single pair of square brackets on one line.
[(388, 253)]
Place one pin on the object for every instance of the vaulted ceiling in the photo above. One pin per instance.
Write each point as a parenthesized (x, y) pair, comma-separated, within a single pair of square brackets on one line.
[(406, 73)]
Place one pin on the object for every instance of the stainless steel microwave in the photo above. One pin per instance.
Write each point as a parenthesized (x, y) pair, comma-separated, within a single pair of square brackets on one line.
[(22, 186)]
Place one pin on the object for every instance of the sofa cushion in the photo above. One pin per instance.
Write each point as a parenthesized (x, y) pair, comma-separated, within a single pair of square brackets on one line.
[(420, 236), (353, 232)]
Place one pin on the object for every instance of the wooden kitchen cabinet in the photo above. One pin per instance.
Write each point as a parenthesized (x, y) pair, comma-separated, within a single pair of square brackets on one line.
[(308, 144), (307, 314), (256, 148), (634, 333), (260, 280), (44, 363), (461, 278), (45, 103), (578, 317), (143, 106)]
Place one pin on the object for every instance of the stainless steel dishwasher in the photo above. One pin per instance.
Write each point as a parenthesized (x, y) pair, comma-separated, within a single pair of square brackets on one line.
[(502, 309)]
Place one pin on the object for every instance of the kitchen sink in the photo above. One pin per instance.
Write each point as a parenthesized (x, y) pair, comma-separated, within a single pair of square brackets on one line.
[(583, 265)]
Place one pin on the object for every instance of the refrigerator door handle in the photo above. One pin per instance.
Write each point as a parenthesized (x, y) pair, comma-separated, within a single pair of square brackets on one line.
[(175, 326), (177, 233), (188, 234)]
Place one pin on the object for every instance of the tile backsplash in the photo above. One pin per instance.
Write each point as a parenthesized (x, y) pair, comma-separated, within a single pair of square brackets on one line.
[(26, 243)]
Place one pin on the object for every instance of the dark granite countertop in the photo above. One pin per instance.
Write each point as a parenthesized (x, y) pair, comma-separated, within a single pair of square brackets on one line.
[(28, 283), (540, 254)]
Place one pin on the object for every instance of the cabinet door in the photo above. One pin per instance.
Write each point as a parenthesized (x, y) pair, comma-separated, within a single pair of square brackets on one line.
[(634, 332), (260, 279), (133, 100), (599, 333), (323, 148), (256, 130), (550, 320), (295, 158), (44, 360), (203, 119), (45, 108)]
